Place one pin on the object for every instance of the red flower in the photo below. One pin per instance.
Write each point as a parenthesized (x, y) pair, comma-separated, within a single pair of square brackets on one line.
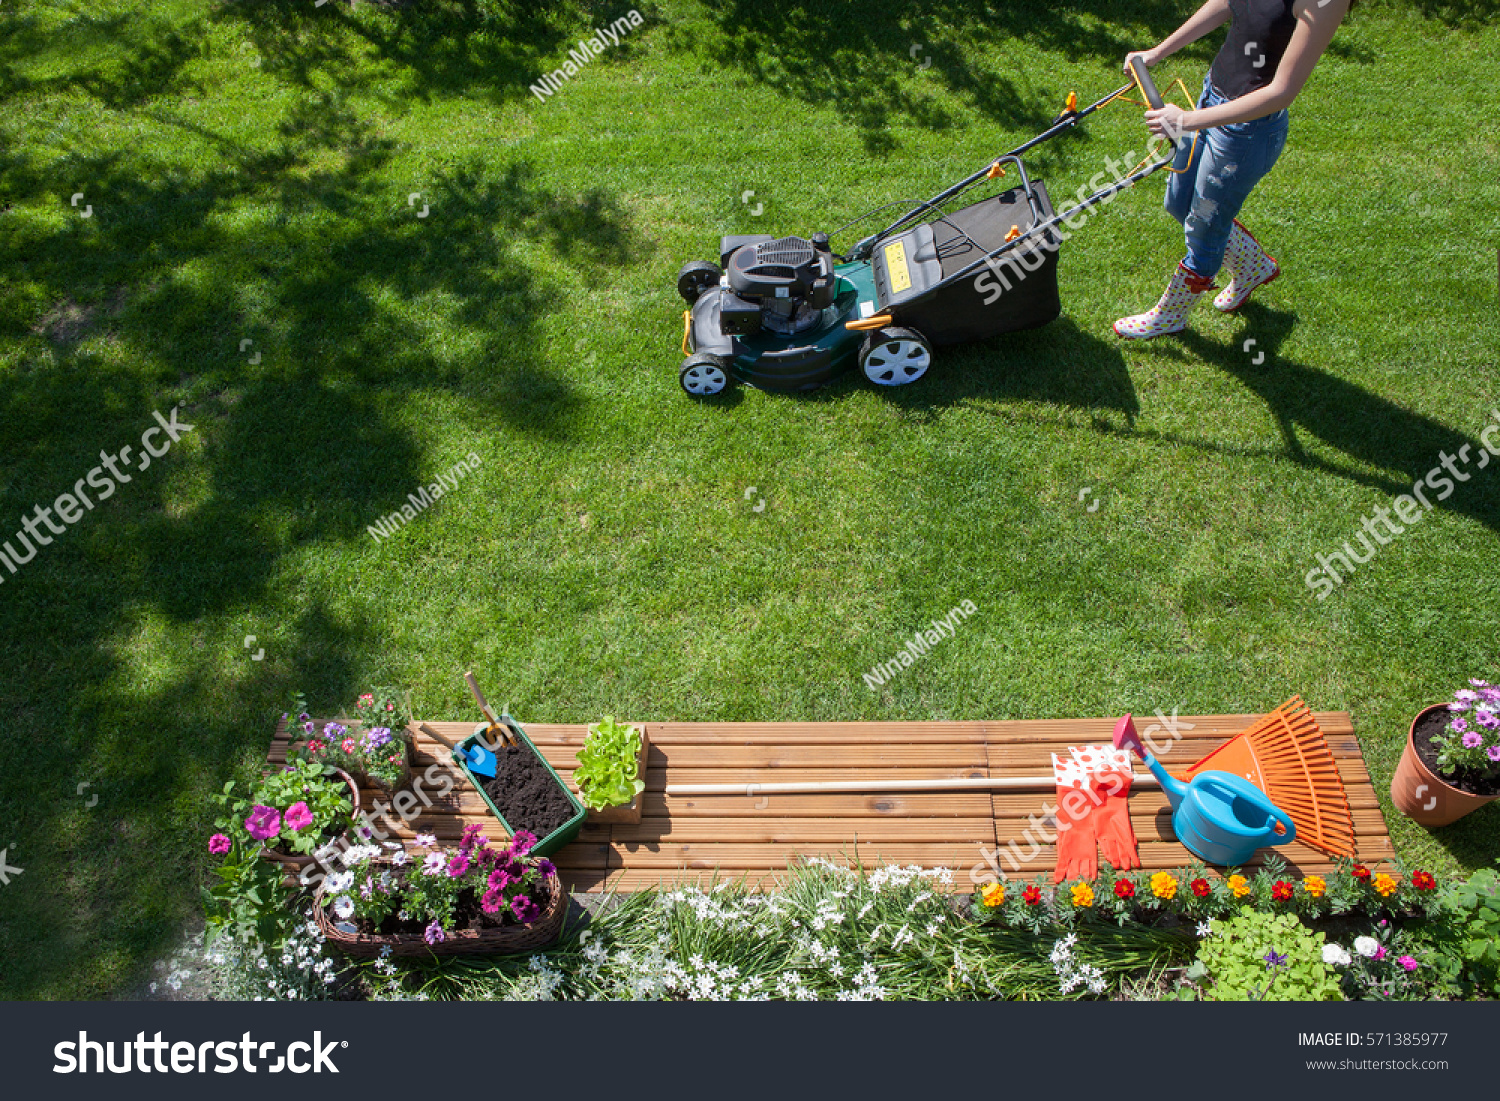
[(1423, 881), (1201, 888), (1282, 891), (1360, 872), (1124, 888), (1031, 895)]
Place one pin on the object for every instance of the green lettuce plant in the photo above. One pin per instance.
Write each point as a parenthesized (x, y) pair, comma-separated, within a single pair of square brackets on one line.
[(608, 772)]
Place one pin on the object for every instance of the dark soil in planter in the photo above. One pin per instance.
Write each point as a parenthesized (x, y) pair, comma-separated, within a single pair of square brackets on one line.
[(466, 915), (1465, 779), (525, 793)]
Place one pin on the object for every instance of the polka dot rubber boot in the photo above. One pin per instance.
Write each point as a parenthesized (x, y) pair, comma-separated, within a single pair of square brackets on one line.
[(1249, 267), (1169, 315)]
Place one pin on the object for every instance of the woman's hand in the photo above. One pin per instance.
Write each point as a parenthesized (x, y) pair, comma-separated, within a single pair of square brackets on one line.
[(1170, 121), (1148, 58)]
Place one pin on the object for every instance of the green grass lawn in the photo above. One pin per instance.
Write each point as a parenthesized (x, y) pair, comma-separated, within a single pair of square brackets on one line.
[(250, 167)]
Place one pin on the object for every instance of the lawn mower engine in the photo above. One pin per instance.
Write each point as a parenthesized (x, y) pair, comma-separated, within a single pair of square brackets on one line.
[(782, 284)]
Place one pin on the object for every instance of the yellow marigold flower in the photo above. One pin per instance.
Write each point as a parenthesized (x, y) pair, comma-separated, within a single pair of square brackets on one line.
[(993, 894), (1083, 894), (1314, 885), (1164, 885), (1239, 885), (1385, 885)]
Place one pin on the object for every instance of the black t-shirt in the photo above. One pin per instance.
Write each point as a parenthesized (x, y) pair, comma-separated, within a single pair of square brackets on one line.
[(1259, 31)]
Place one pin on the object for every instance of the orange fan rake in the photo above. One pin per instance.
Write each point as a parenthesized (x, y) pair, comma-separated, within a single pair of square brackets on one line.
[(1286, 756)]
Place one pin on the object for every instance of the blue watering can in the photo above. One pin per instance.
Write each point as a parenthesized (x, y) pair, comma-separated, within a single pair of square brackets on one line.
[(1219, 817)]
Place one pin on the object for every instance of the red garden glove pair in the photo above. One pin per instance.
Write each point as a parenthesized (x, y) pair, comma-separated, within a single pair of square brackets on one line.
[(1093, 813)]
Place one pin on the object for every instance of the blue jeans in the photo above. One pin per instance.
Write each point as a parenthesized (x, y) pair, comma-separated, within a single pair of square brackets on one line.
[(1226, 163)]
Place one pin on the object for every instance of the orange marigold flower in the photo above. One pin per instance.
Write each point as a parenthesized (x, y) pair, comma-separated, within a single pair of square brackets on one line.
[(1315, 885), (1239, 885), (1083, 894), (993, 894), (1385, 885), (1164, 885)]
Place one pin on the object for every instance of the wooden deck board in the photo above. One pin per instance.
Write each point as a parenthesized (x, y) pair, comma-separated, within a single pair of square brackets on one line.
[(698, 839)]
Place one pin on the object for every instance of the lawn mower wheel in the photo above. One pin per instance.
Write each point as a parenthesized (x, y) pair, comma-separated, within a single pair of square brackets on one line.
[(696, 277), (894, 356), (703, 375)]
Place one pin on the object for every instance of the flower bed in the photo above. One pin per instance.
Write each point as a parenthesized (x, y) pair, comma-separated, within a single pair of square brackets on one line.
[(469, 900)]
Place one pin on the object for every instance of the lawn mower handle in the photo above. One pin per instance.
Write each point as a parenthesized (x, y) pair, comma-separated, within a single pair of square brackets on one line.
[(1069, 119), (1148, 86)]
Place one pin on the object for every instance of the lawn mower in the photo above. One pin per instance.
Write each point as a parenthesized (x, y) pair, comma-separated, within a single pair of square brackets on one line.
[(788, 313)]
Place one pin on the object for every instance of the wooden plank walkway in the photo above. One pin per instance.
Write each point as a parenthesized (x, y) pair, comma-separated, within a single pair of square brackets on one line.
[(699, 838)]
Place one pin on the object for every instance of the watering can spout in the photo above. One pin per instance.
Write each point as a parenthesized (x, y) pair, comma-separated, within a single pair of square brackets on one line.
[(1174, 788)]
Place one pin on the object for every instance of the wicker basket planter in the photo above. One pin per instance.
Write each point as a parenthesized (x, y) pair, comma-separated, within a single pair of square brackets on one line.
[(461, 942), (297, 862)]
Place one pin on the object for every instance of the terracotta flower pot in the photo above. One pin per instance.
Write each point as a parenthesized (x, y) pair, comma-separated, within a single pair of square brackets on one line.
[(297, 861), (1418, 792)]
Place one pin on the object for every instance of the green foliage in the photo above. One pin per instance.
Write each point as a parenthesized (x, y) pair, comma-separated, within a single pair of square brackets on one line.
[(608, 772), (1474, 912), (301, 783), (1265, 957), (246, 897)]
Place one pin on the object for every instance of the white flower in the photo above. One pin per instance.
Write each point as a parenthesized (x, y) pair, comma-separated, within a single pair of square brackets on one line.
[(1336, 956), (427, 840), (1366, 946), (435, 864), (343, 906), (339, 882), (1205, 929), (401, 859)]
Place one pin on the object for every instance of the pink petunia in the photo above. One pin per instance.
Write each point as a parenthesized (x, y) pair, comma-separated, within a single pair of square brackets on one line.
[(458, 865), (1407, 962), (1473, 740), (1459, 725), (218, 844), (1379, 953), (264, 823), (1493, 752), (297, 817)]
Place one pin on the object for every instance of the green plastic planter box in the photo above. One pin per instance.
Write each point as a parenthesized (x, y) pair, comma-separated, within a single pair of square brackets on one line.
[(558, 837)]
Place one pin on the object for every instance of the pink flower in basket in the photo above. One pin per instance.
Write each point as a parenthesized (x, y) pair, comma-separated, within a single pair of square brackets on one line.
[(525, 910), (264, 823), (218, 844), (298, 817)]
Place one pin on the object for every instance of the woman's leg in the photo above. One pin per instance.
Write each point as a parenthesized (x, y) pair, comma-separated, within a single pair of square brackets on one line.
[(1234, 160)]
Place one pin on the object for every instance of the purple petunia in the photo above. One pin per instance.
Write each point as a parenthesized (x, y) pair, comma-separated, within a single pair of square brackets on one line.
[(309, 727), (1493, 753), (1487, 719), (218, 844), (434, 933), (264, 823), (546, 867), (525, 910), (470, 838), (1473, 740), (523, 842), (334, 731), (458, 865)]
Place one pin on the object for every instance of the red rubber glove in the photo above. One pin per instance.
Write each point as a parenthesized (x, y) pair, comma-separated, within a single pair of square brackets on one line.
[(1077, 857), (1112, 820)]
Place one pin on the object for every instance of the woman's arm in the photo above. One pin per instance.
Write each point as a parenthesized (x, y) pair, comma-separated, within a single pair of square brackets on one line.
[(1316, 22), (1210, 17)]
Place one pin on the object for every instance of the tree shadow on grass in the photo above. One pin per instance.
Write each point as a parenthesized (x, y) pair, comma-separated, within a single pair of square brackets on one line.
[(120, 662)]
